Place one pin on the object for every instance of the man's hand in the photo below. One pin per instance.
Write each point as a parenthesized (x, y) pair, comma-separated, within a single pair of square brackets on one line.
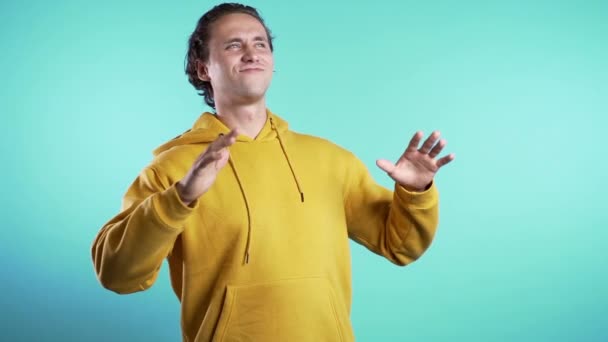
[(203, 172), (417, 166)]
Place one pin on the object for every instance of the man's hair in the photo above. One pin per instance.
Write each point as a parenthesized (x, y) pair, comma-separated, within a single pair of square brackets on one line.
[(198, 44)]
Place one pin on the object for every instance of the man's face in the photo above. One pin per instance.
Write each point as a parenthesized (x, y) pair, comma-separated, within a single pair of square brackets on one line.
[(240, 63)]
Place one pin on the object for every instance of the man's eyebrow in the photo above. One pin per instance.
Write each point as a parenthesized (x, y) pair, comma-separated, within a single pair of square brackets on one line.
[(239, 40), (233, 40)]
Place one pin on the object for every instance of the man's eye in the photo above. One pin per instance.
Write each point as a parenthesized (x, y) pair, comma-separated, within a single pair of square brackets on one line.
[(232, 46), (262, 45)]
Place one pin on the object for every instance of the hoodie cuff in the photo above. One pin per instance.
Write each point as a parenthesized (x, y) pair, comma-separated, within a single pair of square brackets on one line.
[(170, 209), (424, 199)]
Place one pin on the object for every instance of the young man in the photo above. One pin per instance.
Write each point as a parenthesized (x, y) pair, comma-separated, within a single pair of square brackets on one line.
[(254, 218)]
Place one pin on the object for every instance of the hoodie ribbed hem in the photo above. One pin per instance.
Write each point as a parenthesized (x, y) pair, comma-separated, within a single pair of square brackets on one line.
[(170, 209), (419, 200)]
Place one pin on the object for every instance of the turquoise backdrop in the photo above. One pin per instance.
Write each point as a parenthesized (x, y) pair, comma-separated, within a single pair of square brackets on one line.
[(518, 88)]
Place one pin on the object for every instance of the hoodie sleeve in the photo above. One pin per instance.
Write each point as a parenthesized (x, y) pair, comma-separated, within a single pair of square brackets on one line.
[(129, 250), (398, 225)]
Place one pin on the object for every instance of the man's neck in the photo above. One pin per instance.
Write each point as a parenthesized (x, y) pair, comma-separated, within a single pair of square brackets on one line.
[(248, 119)]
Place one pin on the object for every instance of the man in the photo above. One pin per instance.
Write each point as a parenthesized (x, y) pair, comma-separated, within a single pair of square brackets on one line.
[(254, 218)]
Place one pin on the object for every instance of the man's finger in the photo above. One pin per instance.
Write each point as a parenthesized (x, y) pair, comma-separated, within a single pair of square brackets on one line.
[(413, 145), (441, 162), (217, 145), (437, 148), (430, 141), (224, 140), (385, 165)]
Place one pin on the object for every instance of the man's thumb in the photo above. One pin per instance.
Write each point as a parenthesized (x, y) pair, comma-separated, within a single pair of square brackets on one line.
[(385, 165)]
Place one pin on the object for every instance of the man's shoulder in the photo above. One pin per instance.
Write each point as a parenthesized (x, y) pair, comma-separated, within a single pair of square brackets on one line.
[(320, 144), (177, 159)]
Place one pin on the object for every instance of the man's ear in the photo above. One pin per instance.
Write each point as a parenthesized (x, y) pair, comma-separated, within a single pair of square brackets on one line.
[(201, 71)]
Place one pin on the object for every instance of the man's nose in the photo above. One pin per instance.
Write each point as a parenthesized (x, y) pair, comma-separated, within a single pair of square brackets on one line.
[(250, 55)]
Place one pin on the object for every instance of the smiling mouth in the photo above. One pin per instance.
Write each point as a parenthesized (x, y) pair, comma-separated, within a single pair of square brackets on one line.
[(251, 70)]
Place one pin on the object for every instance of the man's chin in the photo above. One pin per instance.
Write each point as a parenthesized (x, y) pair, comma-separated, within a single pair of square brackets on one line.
[(253, 93)]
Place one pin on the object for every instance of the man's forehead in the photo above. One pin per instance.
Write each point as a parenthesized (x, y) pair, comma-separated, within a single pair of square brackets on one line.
[(237, 24)]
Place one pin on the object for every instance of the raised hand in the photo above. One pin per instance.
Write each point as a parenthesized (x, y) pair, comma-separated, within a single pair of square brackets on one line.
[(203, 172), (417, 166)]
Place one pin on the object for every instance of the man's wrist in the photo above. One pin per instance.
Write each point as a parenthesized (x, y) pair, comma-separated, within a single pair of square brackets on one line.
[(414, 189), (180, 193)]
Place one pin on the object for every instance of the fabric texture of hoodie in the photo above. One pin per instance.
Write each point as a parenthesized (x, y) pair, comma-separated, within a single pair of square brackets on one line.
[(263, 255)]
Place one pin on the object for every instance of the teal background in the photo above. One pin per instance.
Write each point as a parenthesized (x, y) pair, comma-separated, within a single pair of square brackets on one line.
[(519, 89)]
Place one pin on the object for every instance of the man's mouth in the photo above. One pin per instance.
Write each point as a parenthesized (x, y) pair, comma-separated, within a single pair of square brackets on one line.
[(251, 70)]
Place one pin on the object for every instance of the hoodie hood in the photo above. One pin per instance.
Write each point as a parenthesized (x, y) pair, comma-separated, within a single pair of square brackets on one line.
[(208, 127)]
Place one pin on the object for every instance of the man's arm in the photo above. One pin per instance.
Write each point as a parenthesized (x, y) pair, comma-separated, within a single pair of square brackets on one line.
[(129, 249), (398, 225)]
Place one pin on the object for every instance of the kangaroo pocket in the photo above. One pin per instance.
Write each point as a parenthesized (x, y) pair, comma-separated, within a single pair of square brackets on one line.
[(288, 310)]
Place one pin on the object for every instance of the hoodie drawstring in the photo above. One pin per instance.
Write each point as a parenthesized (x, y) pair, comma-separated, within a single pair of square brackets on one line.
[(238, 180), (288, 161), (240, 183)]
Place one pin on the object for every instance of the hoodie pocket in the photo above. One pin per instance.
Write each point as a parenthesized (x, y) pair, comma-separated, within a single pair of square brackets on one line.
[(301, 309)]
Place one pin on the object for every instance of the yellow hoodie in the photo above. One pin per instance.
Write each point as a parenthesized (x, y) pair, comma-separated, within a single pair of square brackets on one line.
[(264, 254)]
